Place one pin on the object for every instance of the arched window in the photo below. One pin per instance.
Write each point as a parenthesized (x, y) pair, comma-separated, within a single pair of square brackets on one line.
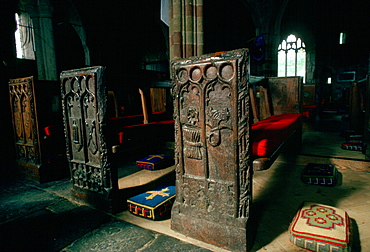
[(292, 57), (24, 38)]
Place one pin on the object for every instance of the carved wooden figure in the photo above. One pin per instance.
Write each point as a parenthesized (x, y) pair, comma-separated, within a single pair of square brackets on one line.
[(213, 166)]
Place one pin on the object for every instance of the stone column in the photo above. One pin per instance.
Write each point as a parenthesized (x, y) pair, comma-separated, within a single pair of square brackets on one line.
[(186, 28), (212, 150)]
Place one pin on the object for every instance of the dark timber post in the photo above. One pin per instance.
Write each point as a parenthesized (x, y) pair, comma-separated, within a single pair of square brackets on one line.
[(213, 166)]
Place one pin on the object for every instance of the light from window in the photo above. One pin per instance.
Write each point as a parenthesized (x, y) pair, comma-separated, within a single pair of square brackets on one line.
[(342, 38), (292, 57), (24, 38)]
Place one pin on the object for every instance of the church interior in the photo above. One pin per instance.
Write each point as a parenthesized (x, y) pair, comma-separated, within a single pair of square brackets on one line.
[(102, 85)]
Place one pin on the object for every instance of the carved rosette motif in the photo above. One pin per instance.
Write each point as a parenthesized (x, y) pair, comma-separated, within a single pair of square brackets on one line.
[(211, 112), (22, 103), (83, 109)]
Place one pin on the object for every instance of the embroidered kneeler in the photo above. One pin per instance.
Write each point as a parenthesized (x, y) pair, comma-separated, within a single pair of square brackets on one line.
[(155, 204), (323, 228)]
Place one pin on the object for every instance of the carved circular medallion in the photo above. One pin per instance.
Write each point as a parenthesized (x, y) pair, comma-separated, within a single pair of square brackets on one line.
[(196, 74), (227, 71), (182, 74), (211, 72)]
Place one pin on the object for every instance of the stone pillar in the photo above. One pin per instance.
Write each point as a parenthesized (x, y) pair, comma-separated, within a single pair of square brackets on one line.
[(42, 13), (212, 150), (186, 28)]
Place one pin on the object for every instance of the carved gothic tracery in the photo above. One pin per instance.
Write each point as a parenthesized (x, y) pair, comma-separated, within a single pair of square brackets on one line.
[(212, 152), (83, 95), (25, 120), (211, 108)]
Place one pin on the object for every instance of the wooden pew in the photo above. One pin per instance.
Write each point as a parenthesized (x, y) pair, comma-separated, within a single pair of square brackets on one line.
[(102, 165), (279, 120), (357, 106), (309, 101), (38, 129), (366, 150)]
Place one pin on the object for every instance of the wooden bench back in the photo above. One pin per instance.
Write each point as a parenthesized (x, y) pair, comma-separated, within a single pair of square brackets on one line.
[(280, 95), (309, 94)]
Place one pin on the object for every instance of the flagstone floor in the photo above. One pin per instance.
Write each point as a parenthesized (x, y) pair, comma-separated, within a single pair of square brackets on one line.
[(42, 217), (278, 193)]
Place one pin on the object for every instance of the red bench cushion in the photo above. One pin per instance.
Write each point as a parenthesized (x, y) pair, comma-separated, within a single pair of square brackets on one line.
[(269, 133), (54, 130), (164, 127)]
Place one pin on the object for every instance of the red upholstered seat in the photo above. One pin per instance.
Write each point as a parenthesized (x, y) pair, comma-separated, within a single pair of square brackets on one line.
[(54, 130), (308, 110), (147, 128), (269, 133), (132, 126)]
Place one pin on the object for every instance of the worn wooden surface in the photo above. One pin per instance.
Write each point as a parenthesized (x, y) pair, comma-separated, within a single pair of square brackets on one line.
[(309, 94), (367, 119), (38, 156), (25, 125), (357, 107), (213, 168), (283, 95), (84, 98), (158, 99), (94, 151)]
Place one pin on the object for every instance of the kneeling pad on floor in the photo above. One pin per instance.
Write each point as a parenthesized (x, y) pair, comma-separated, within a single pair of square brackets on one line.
[(354, 145), (154, 204), (320, 174), (318, 227), (155, 162)]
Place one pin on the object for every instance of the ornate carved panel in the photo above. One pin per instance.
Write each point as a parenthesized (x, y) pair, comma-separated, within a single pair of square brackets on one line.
[(84, 107), (213, 168), (23, 107)]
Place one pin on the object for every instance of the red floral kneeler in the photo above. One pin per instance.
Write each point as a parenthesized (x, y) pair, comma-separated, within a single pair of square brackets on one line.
[(322, 228)]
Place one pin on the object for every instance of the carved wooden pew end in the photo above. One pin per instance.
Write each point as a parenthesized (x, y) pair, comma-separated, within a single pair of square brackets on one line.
[(100, 149), (213, 164), (217, 146), (38, 134)]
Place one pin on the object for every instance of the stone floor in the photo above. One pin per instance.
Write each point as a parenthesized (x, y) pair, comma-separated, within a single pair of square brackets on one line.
[(278, 193), (42, 217), (36, 217)]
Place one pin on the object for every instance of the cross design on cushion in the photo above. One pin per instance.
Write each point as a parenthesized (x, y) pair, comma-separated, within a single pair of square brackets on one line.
[(160, 193), (322, 217)]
